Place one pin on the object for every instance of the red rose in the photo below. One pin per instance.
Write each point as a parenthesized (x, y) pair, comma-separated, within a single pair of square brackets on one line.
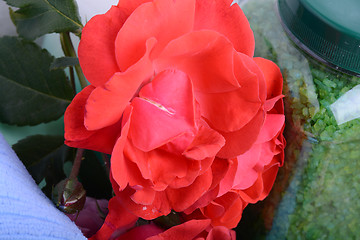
[(174, 90)]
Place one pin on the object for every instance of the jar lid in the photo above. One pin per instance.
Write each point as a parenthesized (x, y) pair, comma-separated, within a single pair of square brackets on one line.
[(329, 30)]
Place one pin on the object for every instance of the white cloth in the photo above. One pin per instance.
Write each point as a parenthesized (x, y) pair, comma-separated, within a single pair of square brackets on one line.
[(25, 212)]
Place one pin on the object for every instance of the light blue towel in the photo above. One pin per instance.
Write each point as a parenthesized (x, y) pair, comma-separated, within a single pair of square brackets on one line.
[(25, 212)]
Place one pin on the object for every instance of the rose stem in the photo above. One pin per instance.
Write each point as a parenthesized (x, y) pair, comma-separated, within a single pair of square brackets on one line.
[(71, 70), (77, 162), (72, 79), (69, 51)]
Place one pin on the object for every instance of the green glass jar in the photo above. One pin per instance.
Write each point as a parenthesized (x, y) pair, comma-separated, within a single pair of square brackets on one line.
[(317, 47)]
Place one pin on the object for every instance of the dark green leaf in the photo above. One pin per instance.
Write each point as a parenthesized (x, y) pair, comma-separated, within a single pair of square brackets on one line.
[(35, 18), (30, 93), (93, 176), (43, 156), (64, 62)]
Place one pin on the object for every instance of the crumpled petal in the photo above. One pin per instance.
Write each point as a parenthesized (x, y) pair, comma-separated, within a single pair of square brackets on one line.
[(163, 111)]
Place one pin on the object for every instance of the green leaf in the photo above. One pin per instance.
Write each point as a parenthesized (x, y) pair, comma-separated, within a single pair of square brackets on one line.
[(30, 93), (94, 177), (63, 62), (35, 18), (40, 154)]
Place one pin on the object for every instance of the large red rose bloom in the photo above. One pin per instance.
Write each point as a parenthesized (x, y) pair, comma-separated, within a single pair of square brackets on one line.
[(180, 103)]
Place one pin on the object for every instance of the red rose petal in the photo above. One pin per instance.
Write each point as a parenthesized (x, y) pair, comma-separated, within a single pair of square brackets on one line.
[(240, 141), (194, 168), (272, 126), (138, 159), (164, 110), (228, 111), (118, 162), (250, 77), (207, 58), (207, 143), (226, 183), (270, 104), (214, 210), (107, 102), (273, 77), (222, 233), (118, 220), (232, 205), (262, 186), (219, 16), (246, 175), (185, 231), (165, 167), (183, 198), (96, 48), (141, 232), (165, 20), (130, 6), (144, 196), (76, 135), (159, 207)]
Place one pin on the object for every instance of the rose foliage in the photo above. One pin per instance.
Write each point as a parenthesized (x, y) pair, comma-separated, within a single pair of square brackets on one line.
[(193, 122)]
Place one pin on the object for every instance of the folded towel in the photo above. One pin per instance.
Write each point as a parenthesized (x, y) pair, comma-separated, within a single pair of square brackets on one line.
[(25, 212)]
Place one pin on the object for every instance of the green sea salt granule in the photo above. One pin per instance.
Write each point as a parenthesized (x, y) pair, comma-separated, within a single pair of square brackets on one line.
[(322, 200)]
